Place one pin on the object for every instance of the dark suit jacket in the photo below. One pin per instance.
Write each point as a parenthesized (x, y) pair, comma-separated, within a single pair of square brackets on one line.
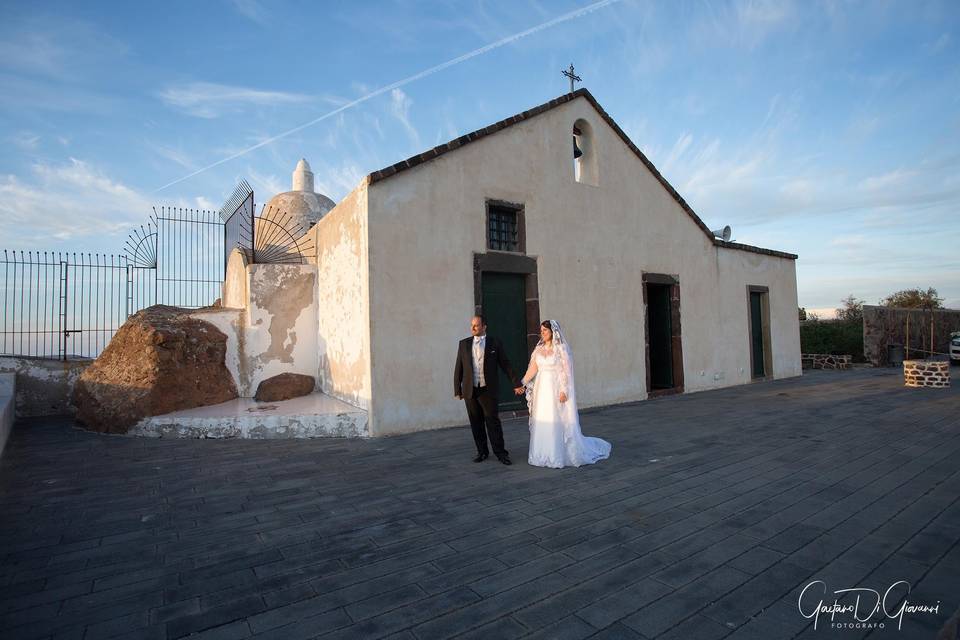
[(493, 355)]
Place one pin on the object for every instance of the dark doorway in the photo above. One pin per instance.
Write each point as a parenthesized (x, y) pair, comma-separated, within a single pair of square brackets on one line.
[(659, 335), (504, 306), (664, 344), (760, 360)]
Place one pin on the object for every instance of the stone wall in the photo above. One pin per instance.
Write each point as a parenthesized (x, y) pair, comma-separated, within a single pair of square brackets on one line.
[(883, 326), (44, 387)]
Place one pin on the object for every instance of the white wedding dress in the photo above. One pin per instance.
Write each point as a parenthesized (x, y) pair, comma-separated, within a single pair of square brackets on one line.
[(555, 437)]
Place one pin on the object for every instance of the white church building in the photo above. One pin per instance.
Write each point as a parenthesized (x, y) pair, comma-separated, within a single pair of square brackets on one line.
[(553, 213)]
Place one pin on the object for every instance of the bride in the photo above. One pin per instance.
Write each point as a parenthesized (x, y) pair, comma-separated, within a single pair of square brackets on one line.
[(555, 437)]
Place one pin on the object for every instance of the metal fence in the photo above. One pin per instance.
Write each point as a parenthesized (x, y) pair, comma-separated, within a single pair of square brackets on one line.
[(190, 257), (238, 214), (69, 304), (273, 237), (62, 305)]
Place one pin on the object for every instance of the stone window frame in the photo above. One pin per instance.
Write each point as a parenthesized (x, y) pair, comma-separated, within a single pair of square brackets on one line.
[(502, 262), (521, 221), (676, 333), (765, 329)]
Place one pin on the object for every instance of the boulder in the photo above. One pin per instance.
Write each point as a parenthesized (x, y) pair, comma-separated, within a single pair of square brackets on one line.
[(284, 387), (161, 360)]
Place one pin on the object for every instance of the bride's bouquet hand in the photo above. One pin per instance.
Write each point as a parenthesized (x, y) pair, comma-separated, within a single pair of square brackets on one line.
[(563, 397)]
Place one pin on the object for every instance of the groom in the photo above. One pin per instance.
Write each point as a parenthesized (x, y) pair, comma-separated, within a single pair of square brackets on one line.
[(475, 380)]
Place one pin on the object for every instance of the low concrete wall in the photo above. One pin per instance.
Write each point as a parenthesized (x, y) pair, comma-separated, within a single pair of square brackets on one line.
[(44, 387), (8, 387), (885, 325)]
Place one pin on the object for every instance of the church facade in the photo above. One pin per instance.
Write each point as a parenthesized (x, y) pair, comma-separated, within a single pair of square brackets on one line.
[(550, 214)]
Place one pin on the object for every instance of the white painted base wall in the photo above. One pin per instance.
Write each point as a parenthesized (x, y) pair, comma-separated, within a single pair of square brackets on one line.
[(8, 391), (312, 416)]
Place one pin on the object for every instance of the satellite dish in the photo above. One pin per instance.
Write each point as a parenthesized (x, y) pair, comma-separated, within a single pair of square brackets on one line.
[(723, 234)]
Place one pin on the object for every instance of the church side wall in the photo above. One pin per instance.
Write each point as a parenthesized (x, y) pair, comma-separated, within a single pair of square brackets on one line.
[(592, 245), (737, 270), (343, 312)]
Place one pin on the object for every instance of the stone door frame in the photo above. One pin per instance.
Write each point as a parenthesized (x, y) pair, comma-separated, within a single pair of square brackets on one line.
[(676, 335), (496, 262), (764, 329)]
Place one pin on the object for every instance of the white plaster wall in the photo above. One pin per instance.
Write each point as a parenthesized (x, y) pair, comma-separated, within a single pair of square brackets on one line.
[(343, 301), (592, 244), (280, 324), (781, 277), (270, 322), (235, 282), (230, 322)]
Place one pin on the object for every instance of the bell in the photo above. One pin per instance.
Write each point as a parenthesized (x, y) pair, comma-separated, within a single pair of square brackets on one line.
[(576, 150)]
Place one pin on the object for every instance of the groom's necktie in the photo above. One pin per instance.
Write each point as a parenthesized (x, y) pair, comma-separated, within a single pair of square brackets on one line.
[(478, 379)]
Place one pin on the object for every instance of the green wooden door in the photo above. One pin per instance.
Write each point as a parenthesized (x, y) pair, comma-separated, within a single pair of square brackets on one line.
[(504, 308), (756, 329)]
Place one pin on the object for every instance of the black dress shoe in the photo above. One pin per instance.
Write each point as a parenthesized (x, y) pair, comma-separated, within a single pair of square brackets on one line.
[(481, 457), (504, 459)]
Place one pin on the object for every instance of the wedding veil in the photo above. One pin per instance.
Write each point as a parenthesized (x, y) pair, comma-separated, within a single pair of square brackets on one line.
[(568, 409)]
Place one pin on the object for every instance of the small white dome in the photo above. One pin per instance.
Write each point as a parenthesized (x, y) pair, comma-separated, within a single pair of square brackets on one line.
[(301, 208)]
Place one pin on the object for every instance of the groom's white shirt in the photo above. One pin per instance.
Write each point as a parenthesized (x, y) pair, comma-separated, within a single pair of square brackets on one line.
[(479, 342)]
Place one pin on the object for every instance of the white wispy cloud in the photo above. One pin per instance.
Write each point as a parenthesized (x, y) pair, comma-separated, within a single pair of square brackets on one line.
[(505, 41), (939, 44), (886, 180), (177, 156), (336, 181), (266, 184), (746, 24), (25, 140), (400, 104), (66, 201), (205, 204), (251, 9), (681, 145), (52, 47), (211, 100)]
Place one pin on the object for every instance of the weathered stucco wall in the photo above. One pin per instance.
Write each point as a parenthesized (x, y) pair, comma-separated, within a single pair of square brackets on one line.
[(231, 323), (343, 297), (280, 332), (592, 245), (44, 387), (274, 330), (885, 325)]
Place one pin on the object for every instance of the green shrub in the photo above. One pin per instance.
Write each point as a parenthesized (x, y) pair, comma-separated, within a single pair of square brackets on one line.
[(837, 337)]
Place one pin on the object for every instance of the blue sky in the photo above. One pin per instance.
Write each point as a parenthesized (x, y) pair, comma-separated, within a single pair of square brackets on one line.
[(827, 129)]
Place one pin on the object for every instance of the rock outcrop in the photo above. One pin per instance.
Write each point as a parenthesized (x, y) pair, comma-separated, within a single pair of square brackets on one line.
[(161, 360), (284, 387)]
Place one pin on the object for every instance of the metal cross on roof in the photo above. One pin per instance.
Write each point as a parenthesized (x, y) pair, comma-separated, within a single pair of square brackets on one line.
[(573, 77)]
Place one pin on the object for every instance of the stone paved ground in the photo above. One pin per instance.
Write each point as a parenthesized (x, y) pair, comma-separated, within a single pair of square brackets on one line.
[(714, 511)]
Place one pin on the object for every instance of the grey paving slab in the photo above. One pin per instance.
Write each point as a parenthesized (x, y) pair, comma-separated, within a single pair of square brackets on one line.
[(714, 512)]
